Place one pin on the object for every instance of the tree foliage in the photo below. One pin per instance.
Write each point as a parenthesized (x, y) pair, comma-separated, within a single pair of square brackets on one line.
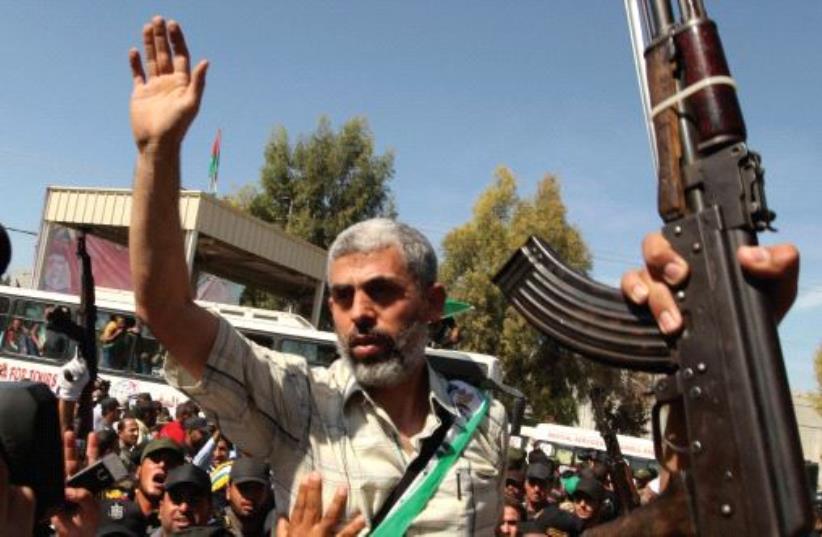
[(553, 381), (324, 182), (318, 186)]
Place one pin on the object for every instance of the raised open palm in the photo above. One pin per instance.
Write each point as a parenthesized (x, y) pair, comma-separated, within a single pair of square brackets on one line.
[(164, 103)]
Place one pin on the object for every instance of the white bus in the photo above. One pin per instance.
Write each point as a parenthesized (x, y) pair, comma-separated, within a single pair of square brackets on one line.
[(566, 444), (28, 350)]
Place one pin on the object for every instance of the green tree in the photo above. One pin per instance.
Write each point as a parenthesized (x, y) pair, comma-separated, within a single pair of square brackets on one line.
[(325, 182), (242, 197), (318, 186), (552, 380)]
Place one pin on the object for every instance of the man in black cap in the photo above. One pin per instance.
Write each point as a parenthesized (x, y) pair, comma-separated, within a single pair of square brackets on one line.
[(537, 481), (514, 483), (124, 516), (186, 501), (121, 518), (249, 497), (157, 459), (588, 497)]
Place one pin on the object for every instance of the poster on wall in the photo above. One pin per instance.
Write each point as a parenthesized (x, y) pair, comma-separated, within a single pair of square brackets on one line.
[(109, 262), (61, 267)]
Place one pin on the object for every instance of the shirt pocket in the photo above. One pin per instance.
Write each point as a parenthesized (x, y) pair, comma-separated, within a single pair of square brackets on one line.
[(478, 486), (464, 504)]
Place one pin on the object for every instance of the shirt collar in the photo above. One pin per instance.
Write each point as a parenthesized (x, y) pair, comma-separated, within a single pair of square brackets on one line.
[(438, 387)]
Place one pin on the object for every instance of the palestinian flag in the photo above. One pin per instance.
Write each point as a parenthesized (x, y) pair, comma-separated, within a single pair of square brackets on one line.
[(214, 167)]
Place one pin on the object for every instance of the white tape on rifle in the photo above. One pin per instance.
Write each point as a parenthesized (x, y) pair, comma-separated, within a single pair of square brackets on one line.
[(680, 96)]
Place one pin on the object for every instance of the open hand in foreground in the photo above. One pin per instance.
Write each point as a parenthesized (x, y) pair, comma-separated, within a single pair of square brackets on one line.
[(307, 518)]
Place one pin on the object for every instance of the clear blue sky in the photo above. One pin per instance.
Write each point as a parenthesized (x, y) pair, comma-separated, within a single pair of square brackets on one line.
[(454, 88)]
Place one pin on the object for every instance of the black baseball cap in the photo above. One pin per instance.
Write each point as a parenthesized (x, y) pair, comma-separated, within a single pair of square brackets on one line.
[(121, 517), (188, 474), (538, 471), (247, 469), (517, 476), (162, 444), (589, 487)]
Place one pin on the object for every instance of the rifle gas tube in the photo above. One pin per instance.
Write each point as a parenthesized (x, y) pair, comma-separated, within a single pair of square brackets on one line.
[(745, 472)]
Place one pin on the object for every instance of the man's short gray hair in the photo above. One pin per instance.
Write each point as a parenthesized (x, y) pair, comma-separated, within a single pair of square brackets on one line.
[(381, 233)]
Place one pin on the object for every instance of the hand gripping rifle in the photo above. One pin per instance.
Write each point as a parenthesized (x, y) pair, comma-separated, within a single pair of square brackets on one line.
[(725, 370), (619, 470)]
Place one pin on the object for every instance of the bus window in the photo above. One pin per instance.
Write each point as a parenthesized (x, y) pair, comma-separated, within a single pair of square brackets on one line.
[(30, 309), (25, 332), (315, 353), (55, 344), (260, 339), (125, 344)]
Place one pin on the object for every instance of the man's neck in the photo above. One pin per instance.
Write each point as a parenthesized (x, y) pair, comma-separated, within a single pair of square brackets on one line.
[(535, 507), (247, 525), (406, 403), (147, 506)]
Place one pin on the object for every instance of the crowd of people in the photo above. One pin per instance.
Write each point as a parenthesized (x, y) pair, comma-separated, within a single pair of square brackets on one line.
[(185, 476), (182, 472), (544, 497)]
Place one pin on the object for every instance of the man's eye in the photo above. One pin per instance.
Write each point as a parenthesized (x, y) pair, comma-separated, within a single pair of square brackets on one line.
[(341, 295), (383, 291)]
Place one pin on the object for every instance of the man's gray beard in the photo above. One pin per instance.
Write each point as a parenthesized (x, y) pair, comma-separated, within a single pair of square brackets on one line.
[(406, 356)]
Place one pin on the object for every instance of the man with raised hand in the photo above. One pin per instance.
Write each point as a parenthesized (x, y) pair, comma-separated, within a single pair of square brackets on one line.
[(365, 419)]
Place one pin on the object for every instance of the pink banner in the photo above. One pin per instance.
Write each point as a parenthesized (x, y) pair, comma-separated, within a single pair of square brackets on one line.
[(61, 267), (109, 262)]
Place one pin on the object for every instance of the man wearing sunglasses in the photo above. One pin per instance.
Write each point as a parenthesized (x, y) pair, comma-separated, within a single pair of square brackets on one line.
[(186, 502)]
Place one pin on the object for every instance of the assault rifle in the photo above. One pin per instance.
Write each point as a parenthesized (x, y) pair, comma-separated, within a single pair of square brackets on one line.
[(618, 468), (83, 332), (88, 344), (725, 371)]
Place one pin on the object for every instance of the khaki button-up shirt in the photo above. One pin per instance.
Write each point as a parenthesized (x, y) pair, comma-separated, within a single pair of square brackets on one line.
[(305, 419)]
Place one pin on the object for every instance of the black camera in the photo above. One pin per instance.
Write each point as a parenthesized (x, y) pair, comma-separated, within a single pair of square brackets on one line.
[(30, 442)]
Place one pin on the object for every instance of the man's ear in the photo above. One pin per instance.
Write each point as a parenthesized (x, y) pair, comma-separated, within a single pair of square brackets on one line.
[(435, 297)]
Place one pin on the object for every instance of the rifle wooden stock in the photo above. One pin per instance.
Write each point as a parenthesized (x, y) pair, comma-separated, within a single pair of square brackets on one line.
[(671, 193)]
